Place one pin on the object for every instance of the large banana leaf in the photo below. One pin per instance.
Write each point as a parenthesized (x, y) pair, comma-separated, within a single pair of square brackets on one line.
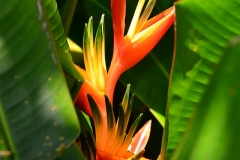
[(214, 131), (72, 76), (72, 153), (37, 117), (57, 26), (203, 29)]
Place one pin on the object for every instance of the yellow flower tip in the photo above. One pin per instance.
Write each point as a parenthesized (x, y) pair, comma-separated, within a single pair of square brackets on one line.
[(94, 54), (74, 47), (95, 73), (170, 12), (139, 21)]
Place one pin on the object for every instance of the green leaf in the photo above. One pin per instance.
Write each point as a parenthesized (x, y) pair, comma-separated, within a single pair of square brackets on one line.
[(84, 121), (214, 132), (102, 6), (68, 66), (73, 77), (37, 116), (57, 26), (203, 29), (67, 14), (86, 139), (73, 153)]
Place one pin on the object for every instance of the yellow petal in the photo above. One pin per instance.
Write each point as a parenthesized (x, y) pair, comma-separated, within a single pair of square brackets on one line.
[(74, 47)]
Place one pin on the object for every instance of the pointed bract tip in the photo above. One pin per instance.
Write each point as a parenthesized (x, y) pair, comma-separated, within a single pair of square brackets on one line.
[(140, 139)]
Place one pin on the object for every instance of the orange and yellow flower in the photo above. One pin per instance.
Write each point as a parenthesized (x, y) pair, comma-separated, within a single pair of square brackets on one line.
[(142, 36), (112, 142)]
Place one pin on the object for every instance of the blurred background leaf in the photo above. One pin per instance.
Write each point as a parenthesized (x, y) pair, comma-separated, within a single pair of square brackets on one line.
[(67, 14), (37, 115), (73, 153), (203, 30), (214, 131)]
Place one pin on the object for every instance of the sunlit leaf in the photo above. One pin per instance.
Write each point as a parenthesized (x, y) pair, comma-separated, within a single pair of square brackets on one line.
[(203, 29), (214, 132), (57, 26)]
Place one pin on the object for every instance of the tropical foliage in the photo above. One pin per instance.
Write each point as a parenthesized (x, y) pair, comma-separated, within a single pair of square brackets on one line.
[(188, 85)]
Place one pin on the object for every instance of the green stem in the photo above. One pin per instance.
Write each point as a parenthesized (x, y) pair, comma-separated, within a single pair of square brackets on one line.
[(161, 67), (5, 134)]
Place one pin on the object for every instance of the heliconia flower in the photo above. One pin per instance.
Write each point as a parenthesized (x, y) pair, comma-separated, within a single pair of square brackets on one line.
[(95, 73), (142, 36), (112, 142)]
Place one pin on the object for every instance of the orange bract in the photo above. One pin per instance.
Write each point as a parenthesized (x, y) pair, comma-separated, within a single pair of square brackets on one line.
[(112, 141), (141, 38)]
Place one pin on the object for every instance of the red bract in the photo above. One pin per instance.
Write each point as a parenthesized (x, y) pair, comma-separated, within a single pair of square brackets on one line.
[(142, 36)]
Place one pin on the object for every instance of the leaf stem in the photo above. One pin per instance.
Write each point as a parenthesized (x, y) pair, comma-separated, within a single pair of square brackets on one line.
[(6, 130), (162, 68)]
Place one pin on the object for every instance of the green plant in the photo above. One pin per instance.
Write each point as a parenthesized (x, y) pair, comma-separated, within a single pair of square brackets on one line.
[(190, 83)]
